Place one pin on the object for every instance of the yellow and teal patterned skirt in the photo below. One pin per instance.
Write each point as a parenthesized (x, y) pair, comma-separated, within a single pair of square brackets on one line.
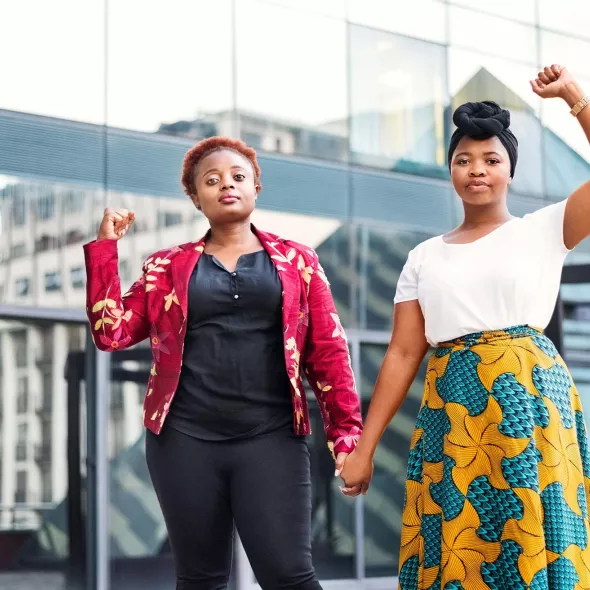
[(499, 473)]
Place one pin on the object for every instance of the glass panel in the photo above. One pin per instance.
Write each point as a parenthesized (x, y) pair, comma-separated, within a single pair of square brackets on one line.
[(565, 50), (34, 532), (333, 532), (333, 8), (137, 529), (523, 10), (576, 338), (407, 18), (398, 97), (42, 261), (501, 37), (474, 77), (334, 251), (384, 502), (382, 257), (572, 16), (291, 100), (61, 51), (157, 79)]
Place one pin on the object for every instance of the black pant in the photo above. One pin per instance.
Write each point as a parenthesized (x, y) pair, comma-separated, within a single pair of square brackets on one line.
[(262, 483)]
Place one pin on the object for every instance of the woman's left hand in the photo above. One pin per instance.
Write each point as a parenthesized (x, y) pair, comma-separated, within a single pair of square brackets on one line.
[(552, 82)]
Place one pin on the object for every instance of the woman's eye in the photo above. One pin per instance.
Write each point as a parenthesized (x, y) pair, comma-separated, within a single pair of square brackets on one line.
[(239, 177), (462, 161), (493, 161), (212, 181)]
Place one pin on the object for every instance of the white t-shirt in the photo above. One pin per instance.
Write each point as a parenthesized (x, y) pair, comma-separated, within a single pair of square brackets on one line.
[(508, 278)]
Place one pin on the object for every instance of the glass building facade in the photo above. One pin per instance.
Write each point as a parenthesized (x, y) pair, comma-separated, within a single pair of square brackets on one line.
[(349, 103)]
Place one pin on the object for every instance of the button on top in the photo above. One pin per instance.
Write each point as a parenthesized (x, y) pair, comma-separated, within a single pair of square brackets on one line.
[(233, 274), (236, 296)]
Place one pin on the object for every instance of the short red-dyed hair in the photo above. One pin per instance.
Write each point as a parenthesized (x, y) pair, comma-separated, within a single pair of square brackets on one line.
[(215, 144)]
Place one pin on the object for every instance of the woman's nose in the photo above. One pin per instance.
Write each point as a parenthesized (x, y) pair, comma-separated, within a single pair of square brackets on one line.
[(227, 183)]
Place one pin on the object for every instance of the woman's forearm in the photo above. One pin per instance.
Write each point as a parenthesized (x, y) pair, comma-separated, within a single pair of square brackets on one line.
[(398, 371), (573, 93)]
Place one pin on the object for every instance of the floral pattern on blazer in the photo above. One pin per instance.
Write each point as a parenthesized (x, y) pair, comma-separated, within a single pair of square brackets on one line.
[(155, 307)]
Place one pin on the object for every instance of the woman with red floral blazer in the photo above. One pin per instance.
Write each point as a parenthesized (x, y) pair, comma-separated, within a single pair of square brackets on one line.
[(234, 321)]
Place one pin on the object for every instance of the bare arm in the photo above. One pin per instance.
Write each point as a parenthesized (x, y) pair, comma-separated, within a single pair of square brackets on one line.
[(406, 351), (557, 82), (576, 224)]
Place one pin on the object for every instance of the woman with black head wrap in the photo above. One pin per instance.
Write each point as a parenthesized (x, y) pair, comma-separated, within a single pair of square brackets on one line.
[(498, 482)]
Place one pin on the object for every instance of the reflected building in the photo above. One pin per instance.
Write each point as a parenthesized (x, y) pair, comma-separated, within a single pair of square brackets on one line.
[(362, 180), (269, 135)]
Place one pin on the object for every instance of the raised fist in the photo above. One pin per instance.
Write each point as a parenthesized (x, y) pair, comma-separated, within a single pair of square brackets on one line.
[(552, 82), (115, 223)]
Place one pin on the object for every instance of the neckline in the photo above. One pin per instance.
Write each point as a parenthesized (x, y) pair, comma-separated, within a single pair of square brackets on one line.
[(442, 239), (240, 257)]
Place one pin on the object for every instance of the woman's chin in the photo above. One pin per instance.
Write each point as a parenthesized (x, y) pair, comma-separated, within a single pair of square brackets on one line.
[(478, 198)]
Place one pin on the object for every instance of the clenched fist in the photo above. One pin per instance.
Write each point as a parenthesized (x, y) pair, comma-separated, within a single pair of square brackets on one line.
[(114, 224), (553, 82)]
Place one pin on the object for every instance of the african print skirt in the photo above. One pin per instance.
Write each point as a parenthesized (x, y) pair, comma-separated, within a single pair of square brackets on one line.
[(498, 475)]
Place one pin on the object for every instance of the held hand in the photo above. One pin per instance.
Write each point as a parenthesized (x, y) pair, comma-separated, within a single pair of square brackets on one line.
[(340, 459), (357, 474), (115, 224), (552, 82)]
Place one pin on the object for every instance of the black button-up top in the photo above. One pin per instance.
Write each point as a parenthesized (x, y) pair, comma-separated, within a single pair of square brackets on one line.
[(233, 382)]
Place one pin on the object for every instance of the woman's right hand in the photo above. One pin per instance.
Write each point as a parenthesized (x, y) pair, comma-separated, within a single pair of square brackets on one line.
[(357, 473), (114, 224)]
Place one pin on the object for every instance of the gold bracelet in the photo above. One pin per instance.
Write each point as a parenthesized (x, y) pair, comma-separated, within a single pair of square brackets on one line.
[(580, 106)]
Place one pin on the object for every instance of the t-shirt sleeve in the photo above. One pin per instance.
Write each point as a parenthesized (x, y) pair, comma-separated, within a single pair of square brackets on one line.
[(548, 226), (407, 284)]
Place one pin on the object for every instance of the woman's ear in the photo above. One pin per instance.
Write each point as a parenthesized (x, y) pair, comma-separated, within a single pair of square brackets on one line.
[(195, 200)]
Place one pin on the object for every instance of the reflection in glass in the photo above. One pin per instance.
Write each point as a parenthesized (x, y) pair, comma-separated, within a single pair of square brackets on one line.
[(171, 66), (567, 152), (384, 502), (565, 50), (334, 254), (398, 97), (406, 18), (523, 10), (333, 8), (333, 533), (291, 80), (42, 261), (576, 337), (382, 256), (571, 17), (57, 59), (498, 36), (33, 462)]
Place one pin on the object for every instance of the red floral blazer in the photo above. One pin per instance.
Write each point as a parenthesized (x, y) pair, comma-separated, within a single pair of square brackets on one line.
[(156, 307)]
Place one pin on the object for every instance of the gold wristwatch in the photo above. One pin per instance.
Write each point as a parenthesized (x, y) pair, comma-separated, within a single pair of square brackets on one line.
[(580, 105)]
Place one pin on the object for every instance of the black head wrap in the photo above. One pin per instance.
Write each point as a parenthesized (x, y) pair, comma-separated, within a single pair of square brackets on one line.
[(482, 120)]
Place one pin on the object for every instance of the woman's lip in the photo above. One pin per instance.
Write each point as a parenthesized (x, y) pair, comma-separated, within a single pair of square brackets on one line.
[(229, 199)]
